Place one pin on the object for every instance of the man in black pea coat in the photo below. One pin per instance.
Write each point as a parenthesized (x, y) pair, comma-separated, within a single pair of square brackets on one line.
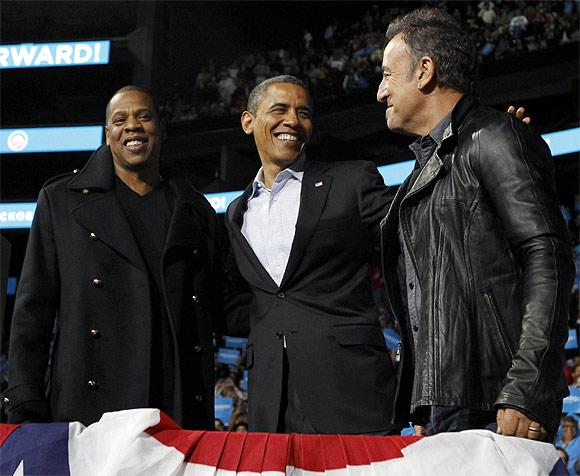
[(121, 267), (302, 237)]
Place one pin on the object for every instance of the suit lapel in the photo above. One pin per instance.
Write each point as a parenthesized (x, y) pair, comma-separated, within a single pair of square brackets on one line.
[(315, 187), (187, 223), (237, 219)]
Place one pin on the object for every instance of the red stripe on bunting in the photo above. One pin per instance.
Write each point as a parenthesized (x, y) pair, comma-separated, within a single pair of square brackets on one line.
[(259, 452), (278, 452), (5, 431), (253, 455), (378, 450), (332, 452), (170, 433), (209, 451), (233, 450)]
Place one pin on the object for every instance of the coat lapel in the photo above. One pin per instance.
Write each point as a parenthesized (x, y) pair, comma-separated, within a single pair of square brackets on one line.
[(427, 175), (390, 223), (315, 187), (104, 217), (435, 164), (101, 214)]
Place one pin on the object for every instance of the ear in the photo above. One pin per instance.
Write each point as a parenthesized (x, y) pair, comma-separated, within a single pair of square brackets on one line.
[(247, 121), (107, 141), (425, 73)]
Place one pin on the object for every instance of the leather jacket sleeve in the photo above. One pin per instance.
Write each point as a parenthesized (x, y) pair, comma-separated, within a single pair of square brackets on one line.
[(516, 174)]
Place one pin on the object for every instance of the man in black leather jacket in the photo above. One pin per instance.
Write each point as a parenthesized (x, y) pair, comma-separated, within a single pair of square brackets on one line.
[(475, 251)]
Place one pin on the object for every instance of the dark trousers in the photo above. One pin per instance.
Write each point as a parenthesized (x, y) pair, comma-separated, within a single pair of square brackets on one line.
[(292, 418), (443, 419)]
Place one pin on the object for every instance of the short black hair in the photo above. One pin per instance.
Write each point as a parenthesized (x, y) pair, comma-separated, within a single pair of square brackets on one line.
[(570, 419), (256, 95), (435, 33), (125, 89)]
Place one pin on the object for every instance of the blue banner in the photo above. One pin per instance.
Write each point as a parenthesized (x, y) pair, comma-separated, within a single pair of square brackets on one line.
[(560, 143), (395, 174), (572, 342), (228, 356), (43, 55), (563, 142), (244, 383), (235, 342), (50, 139), (392, 338), (572, 402), (223, 407), (16, 215), (11, 286), (220, 201)]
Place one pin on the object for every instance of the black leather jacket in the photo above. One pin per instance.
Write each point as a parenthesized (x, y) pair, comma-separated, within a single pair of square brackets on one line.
[(491, 250)]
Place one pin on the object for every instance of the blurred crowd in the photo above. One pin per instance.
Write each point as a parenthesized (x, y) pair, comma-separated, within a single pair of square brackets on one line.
[(343, 60), (229, 383)]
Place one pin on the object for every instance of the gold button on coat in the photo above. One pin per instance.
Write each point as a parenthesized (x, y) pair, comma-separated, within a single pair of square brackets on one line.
[(92, 236), (98, 282), (194, 298)]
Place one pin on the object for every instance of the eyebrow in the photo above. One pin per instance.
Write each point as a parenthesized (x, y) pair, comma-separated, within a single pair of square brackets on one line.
[(278, 104), (285, 105), (122, 112)]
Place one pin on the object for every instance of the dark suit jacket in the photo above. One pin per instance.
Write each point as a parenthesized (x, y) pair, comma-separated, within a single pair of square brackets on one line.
[(323, 307), (84, 271)]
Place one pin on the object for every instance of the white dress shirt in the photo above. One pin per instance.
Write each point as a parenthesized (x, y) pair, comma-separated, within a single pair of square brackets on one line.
[(270, 221)]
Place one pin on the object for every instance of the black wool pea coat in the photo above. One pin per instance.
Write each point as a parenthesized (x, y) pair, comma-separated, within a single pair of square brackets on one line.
[(84, 276)]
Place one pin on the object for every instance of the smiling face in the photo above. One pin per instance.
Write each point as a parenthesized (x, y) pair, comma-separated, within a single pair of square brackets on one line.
[(281, 124), (398, 89), (133, 132)]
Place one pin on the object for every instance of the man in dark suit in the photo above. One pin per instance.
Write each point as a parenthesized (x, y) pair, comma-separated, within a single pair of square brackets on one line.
[(302, 236), (121, 263)]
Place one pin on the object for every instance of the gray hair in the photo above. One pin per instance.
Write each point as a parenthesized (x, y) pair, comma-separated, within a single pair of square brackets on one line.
[(255, 97), (437, 34)]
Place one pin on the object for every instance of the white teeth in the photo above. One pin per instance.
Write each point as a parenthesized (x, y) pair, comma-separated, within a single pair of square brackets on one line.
[(288, 137), (134, 142)]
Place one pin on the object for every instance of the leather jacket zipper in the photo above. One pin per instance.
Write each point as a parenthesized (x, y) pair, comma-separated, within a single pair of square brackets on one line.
[(499, 324)]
